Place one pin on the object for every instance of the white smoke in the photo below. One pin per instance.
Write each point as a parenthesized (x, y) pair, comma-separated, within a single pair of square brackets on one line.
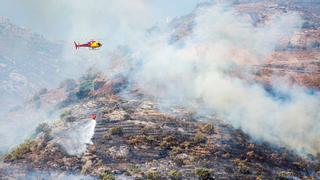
[(201, 68), (86, 19), (16, 127), (112, 22), (22, 172)]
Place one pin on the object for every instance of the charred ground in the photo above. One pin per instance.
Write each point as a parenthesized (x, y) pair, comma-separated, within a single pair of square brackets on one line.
[(133, 137), (136, 138)]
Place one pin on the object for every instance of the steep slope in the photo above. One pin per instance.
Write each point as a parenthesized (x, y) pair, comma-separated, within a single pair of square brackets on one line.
[(28, 62), (136, 135), (295, 59), (135, 139)]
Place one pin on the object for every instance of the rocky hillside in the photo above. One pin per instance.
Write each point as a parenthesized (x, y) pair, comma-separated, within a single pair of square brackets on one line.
[(28, 62), (296, 59), (133, 138)]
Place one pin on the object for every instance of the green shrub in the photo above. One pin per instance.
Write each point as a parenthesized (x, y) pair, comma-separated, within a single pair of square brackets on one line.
[(98, 84), (176, 150), (19, 151), (134, 169), (243, 168), (203, 173), (86, 84), (179, 161), (106, 176), (107, 136), (153, 175), (84, 89), (85, 170), (191, 115), (43, 127), (175, 175), (283, 175), (116, 130), (64, 114), (168, 142), (208, 129), (151, 139), (199, 138)]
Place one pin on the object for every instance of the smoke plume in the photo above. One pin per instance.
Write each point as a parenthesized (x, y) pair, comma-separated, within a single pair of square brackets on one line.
[(201, 66), (17, 127)]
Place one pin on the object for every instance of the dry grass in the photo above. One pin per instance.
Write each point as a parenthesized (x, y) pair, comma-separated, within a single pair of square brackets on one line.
[(203, 173), (153, 175), (175, 175), (116, 130), (207, 129), (199, 138), (21, 150)]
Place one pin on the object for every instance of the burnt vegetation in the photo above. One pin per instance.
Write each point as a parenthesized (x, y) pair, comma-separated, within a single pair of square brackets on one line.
[(133, 137)]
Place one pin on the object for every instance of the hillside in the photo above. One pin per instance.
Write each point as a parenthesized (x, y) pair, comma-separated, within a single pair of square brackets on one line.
[(134, 139), (28, 62), (225, 92), (296, 59)]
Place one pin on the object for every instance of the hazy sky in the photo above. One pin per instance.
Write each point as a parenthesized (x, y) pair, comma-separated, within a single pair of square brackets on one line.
[(76, 19)]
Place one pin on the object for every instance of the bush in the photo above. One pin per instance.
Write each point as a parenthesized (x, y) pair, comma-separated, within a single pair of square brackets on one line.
[(186, 144), (284, 175), (203, 173), (43, 127), (107, 136), (136, 140), (175, 175), (65, 114), (84, 89), (134, 169), (208, 129), (176, 150), (106, 176), (116, 130), (308, 25), (150, 139), (153, 175), (98, 84), (199, 138), (168, 142), (242, 166), (22, 149), (191, 115), (86, 83), (179, 161)]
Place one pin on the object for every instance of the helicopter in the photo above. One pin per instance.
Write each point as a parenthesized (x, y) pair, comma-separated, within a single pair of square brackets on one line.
[(91, 44)]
